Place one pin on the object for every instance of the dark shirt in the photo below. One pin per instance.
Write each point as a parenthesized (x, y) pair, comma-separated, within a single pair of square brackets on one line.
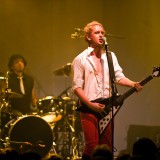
[(21, 104)]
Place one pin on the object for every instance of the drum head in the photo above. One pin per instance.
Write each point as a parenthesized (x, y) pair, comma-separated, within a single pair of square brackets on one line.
[(31, 133)]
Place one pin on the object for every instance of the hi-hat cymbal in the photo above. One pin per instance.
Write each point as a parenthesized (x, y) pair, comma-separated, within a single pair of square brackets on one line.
[(11, 94), (64, 70)]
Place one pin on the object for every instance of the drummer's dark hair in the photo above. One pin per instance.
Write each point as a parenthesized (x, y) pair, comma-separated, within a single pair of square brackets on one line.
[(13, 58)]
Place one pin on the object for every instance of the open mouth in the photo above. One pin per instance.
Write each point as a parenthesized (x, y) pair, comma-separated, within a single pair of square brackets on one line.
[(101, 40)]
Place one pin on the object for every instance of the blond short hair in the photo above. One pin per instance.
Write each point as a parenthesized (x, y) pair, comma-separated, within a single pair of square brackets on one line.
[(88, 28)]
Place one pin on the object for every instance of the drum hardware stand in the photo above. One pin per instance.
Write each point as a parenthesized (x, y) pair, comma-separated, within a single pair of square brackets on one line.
[(74, 139), (73, 143), (65, 95), (65, 137), (53, 149), (5, 104), (22, 145), (7, 142), (5, 101)]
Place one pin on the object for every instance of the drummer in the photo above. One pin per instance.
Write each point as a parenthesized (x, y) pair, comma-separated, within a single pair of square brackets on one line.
[(22, 84)]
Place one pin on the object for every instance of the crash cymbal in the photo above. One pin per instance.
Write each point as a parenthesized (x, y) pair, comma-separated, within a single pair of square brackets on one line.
[(64, 70), (10, 94)]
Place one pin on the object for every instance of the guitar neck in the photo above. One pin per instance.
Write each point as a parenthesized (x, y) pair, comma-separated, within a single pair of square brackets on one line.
[(121, 98)]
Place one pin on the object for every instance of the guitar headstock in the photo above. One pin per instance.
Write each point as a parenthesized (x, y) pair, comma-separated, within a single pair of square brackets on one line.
[(156, 71)]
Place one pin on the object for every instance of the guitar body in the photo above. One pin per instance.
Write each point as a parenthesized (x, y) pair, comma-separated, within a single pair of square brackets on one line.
[(108, 102), (104, 118)]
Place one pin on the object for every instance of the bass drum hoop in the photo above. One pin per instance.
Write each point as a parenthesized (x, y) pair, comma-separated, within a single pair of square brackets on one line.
[(31, 133)]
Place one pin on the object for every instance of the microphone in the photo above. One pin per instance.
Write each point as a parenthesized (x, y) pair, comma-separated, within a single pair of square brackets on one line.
[(105, 41)]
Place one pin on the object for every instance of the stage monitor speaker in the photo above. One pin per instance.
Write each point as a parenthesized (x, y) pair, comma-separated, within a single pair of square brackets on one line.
[(139, 131)]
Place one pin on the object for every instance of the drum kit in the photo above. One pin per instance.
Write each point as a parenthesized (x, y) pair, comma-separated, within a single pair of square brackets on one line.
[(52, 129)]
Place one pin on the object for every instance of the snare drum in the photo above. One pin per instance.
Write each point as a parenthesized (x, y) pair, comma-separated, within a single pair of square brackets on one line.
[(31, 133)]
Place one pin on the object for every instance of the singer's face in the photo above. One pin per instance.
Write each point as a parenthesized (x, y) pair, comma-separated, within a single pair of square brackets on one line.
[(18, 65), (96, 36)]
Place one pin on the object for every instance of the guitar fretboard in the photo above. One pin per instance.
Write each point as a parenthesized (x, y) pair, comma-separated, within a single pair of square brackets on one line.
[(121, 98)]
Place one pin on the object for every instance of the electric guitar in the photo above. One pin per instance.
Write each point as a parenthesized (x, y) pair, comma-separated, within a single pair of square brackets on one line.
[(113, 104)]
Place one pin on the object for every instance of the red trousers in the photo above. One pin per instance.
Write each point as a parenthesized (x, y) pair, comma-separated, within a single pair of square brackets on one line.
[(91, 133)]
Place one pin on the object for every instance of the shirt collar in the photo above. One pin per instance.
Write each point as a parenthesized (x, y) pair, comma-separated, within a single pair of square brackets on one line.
[(90, 49)]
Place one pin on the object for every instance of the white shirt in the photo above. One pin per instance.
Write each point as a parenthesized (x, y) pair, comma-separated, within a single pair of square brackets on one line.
[(86, 77)]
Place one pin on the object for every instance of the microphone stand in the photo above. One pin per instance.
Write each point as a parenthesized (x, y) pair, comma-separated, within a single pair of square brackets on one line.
[(113, 88)]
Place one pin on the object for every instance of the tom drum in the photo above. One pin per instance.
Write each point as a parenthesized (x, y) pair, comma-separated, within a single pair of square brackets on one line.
[(49, 109)]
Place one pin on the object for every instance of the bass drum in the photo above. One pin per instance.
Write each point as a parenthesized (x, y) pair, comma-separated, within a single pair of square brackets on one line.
[(31, 133)]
